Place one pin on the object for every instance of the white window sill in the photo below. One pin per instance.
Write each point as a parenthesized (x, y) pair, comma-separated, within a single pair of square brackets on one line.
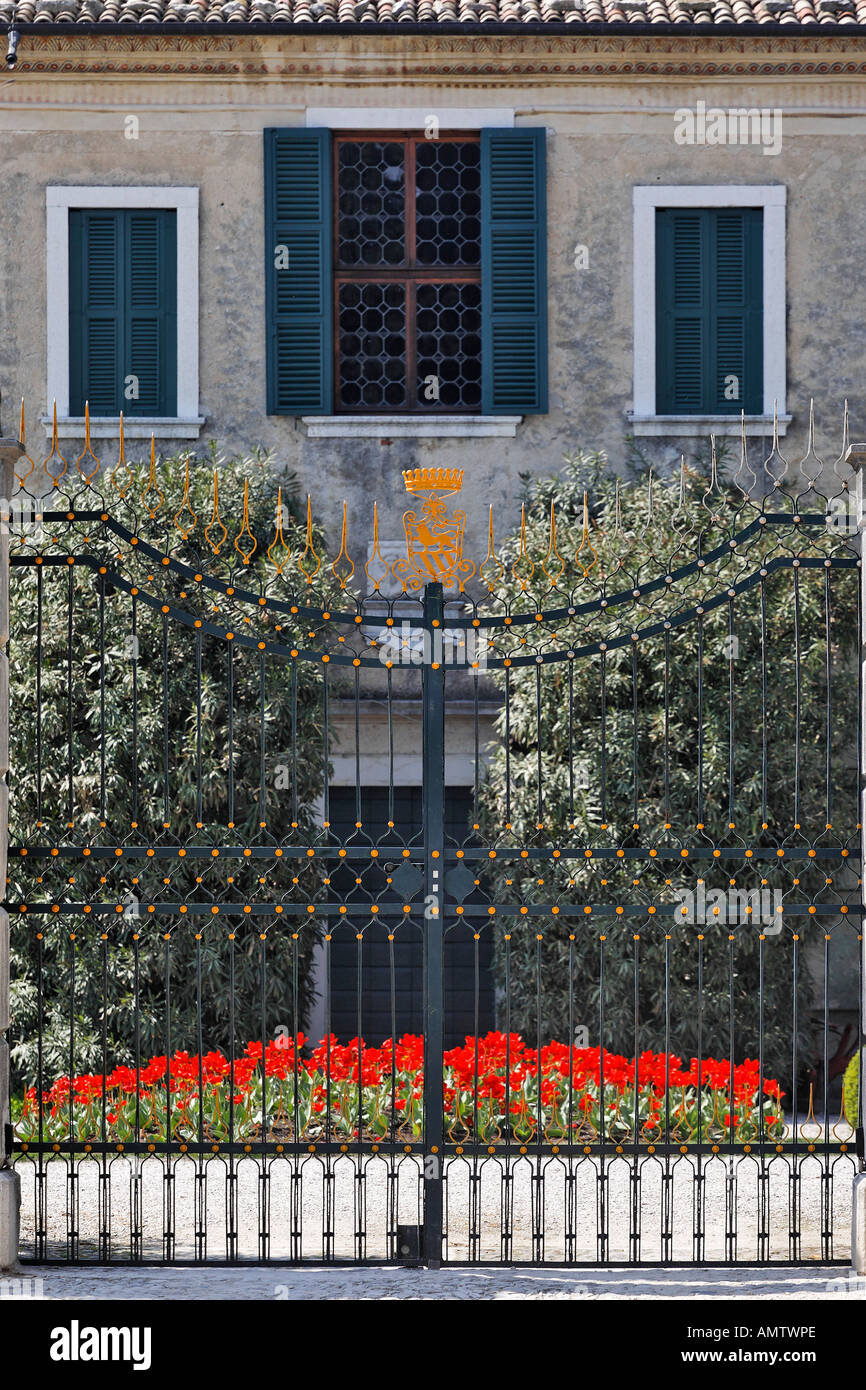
[(725, 426), (411, 426), (134, 427)]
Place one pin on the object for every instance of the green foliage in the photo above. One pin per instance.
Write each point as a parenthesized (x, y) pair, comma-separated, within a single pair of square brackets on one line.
[(159, 697), (633, 748), (851, 1089)]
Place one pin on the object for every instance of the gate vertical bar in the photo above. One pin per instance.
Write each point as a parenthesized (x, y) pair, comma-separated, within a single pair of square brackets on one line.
[(433, 765)]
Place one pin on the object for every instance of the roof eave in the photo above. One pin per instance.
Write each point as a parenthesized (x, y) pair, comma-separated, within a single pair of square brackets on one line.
[(801, 31)]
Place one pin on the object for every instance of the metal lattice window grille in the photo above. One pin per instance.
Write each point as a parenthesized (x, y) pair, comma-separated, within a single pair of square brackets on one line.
[(407, 306)]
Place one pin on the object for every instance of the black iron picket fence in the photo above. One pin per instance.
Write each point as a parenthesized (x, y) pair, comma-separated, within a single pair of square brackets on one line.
[(576, 960)]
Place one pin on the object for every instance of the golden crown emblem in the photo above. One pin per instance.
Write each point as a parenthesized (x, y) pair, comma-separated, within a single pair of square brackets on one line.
[(433, 479)]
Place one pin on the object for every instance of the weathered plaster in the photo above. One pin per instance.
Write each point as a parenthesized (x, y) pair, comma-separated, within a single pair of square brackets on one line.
[(608, 106)]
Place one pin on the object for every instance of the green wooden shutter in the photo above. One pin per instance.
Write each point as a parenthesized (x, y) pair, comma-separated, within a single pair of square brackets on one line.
[(151, 312), (299, 294), (737, 323), (513, 272), (95, 311), (709, 311), (123, 311)]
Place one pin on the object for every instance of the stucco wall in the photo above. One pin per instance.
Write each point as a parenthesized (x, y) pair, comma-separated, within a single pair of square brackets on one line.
[(606, 133)]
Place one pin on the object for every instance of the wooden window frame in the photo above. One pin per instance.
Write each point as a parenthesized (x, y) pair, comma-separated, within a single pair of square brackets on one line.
[(410, 274)]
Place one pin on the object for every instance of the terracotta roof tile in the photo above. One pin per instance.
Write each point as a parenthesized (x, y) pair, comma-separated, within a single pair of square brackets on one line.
[(812, 15)]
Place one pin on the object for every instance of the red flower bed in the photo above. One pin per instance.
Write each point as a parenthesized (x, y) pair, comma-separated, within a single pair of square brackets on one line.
[(493, 1087)]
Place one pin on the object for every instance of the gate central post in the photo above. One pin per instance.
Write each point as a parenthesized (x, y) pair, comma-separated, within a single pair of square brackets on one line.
[(433, 796)]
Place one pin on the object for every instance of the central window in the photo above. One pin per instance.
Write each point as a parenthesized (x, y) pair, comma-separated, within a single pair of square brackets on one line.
[(407, 259)]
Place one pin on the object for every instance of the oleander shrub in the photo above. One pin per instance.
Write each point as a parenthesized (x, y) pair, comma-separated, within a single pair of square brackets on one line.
[(120, 1003), (550, 764)]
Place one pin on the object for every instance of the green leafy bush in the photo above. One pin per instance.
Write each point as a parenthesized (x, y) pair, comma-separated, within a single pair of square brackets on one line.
[(851, 1089), (160, 705), (656, 766)]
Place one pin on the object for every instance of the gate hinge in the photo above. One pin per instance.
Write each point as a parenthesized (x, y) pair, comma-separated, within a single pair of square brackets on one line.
[(861, 1143)]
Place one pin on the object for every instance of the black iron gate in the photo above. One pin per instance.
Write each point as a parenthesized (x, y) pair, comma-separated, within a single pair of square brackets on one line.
[(654, 697)]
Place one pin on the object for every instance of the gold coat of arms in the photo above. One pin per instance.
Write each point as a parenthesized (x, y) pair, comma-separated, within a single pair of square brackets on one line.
[(434, 538)]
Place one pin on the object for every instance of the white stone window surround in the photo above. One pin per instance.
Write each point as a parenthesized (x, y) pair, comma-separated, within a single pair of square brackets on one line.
[(646, 199), (59, 199), (410, 426), (375, 117)]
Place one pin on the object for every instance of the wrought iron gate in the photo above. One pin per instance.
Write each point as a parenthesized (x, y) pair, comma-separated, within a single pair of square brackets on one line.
[(669, 916)]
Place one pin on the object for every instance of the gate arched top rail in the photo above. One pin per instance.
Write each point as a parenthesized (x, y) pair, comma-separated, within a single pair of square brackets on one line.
[(532, 615)]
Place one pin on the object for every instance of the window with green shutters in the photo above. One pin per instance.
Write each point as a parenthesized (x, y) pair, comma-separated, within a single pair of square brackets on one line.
[(405, 275), (123, 311), (709, 311)]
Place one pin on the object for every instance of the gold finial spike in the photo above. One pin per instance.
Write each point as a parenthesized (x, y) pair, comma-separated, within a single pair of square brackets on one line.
[(215, 523), (309, 574), (552, 552), (490, 560), (87, 450), (246, 554), (55, 453), (22, 439), (151, 496), (279, 538), (522, 555), (184, 528), (343, 574), (121, 463), (811, 1114), (383, 568)]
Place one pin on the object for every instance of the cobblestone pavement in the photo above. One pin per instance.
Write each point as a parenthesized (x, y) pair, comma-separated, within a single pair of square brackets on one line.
[(384, 1284)]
